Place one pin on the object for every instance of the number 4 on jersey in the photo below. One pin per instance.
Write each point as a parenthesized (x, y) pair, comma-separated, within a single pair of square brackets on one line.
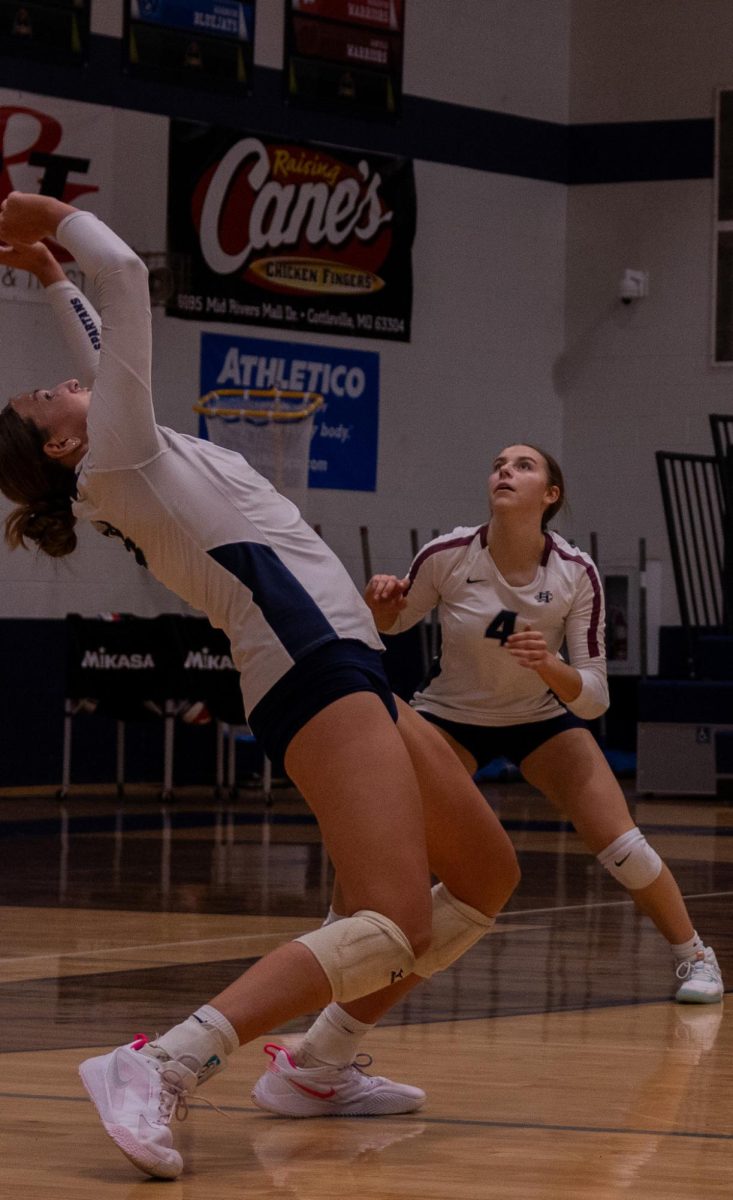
[(502, 626)]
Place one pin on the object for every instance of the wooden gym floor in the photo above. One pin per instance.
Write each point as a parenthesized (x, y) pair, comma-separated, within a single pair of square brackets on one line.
[(556, 1065)]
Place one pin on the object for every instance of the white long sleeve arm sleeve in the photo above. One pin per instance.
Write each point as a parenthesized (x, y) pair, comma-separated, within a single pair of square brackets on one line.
[(79, 326), (585, 638), (121, 423), (422, 595)]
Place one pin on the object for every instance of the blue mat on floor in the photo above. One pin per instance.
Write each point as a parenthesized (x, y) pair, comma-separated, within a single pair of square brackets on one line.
[(501, 770)]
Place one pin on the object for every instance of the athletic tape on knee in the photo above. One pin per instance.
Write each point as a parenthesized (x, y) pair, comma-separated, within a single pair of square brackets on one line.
[(631, 860), (360, 954), (456, 927)]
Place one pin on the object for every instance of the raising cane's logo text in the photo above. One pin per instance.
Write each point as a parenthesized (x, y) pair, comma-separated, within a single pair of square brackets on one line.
[(293, 219)]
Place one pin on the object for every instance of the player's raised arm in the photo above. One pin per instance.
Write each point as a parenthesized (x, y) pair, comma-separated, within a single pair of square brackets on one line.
[(122, 430), (77, 321)]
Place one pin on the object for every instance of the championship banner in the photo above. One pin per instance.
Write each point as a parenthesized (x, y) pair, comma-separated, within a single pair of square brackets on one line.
[(343, 451), (193, 43), (288, 234), (345, 55), (54, 148)]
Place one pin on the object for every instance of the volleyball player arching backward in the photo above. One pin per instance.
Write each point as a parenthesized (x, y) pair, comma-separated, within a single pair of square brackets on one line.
[(385, 792)]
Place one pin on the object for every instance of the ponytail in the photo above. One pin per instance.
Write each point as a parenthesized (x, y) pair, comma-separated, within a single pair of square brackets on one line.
[(41, 488)]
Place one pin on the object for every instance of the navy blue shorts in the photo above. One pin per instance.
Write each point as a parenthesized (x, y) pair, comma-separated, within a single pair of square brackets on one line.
[(335, 669), (515, 742)]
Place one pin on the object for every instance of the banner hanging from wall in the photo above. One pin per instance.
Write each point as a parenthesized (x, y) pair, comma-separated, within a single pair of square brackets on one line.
[(55, 148), (192, 43), (290, 235), (343, 451), (345, 56)]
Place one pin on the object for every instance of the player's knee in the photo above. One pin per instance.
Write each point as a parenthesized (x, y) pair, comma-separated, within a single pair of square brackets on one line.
[(507, 875), (361, 954), (456, 927), (500, 879), (420, 936), (631, 860)]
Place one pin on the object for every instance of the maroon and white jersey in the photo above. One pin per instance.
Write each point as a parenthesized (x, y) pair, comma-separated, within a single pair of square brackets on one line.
[(478, 681), (199, 517)]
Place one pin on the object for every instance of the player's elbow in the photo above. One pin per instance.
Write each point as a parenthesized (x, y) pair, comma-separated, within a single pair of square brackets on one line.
[(596, 709), (592, 700), (128, 275), (134, 267), (591, 707)]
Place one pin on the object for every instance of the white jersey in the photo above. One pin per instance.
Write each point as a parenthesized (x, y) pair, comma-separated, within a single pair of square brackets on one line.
[(199, 517), (478, 682)]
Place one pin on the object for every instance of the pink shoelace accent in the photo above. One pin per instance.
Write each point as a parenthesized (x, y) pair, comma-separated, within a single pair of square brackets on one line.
[(139, 1040)]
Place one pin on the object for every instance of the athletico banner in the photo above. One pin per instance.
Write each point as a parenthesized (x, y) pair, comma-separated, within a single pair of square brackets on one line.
[(289, 235), (343, 451)]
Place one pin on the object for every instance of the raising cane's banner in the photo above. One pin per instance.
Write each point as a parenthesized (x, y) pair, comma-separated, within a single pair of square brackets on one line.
[(291, 235)]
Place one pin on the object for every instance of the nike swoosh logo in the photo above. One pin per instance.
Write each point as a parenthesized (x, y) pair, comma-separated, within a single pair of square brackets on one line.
[(477, 581), (623, 860), (314, 1091)]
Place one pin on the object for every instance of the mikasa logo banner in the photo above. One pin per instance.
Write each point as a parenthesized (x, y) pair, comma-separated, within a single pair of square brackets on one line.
[(100, 660), (204, 660)]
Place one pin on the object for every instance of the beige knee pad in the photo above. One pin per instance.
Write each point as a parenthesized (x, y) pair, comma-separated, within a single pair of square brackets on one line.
[(360, 954), (456, 927)]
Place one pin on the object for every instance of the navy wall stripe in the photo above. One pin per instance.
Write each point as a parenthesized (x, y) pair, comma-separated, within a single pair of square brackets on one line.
[(290, 612), (641, 150), (432, 130)]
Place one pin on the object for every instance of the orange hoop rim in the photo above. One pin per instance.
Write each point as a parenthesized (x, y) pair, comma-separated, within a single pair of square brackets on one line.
[(208, 405)]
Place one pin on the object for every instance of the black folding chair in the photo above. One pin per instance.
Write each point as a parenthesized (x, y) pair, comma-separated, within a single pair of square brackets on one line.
[(694, 511), (721, 427)]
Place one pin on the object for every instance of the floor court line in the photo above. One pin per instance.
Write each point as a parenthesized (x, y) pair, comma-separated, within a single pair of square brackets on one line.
[(238, 937), (505, 916), (556, 908), (136, 947), (419, 1119)]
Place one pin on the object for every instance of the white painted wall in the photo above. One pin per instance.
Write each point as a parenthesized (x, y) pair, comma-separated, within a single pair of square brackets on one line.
[(489, 262), (637, 379), (647, 60), (517, 329), (507, 55)]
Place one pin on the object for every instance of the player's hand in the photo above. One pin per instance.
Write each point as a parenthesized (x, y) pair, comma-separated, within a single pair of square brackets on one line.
[(26, 218), (36, 258), (529, 648), (386, 596)]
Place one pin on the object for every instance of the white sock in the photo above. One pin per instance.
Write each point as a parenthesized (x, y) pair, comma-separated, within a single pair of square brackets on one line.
[(684, 950), (332, 1040), (202, 1042), (332, 916)]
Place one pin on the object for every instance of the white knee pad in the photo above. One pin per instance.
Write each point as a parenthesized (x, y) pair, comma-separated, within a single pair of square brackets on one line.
[(631, 860), (360, 954), (456, 927)]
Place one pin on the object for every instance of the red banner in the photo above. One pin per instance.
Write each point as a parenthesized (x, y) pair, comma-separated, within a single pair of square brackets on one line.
[(376, 14)]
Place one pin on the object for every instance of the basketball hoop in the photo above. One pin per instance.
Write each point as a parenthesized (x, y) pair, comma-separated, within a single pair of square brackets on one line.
[(272, 429)]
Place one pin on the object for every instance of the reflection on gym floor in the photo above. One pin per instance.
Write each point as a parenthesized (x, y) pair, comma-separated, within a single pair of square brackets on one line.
[(555, 1062)]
